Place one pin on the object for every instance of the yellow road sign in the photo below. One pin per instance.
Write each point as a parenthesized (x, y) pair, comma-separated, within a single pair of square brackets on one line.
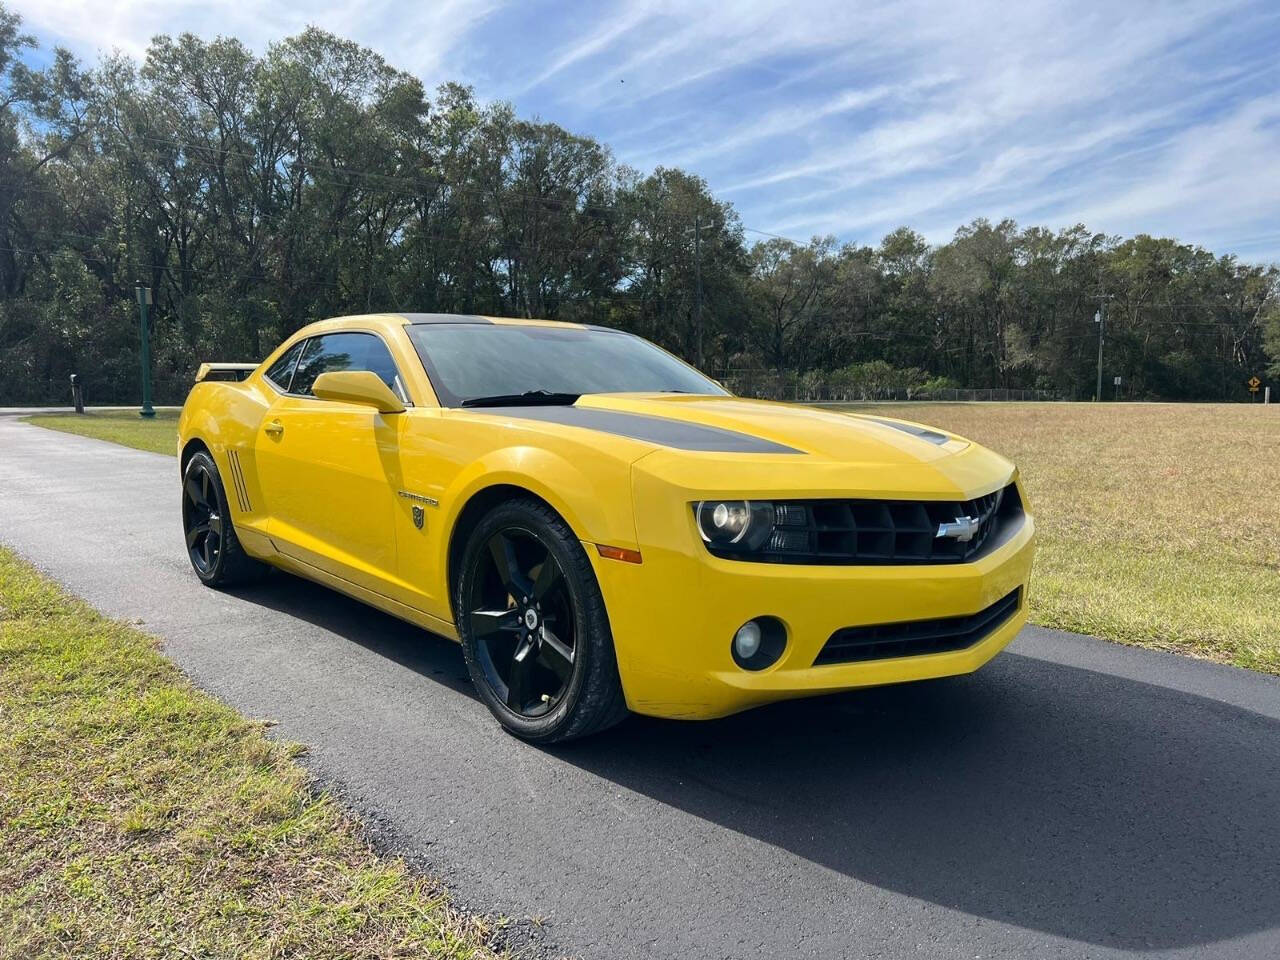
[(1254, 384)]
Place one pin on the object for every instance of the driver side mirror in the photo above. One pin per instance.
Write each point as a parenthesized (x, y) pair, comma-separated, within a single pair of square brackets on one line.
[(357, 386)]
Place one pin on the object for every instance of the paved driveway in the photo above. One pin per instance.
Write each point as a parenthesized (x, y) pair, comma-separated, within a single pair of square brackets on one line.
[(1072, 799)]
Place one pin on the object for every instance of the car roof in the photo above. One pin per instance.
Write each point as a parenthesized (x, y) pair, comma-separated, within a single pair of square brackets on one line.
[(385, 320), (415, 318)]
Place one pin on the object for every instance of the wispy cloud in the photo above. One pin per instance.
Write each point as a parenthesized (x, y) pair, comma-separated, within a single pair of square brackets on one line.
[(422, 38), (813, 117), (601, 38)]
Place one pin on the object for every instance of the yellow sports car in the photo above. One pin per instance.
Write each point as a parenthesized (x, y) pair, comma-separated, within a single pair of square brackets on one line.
[(602, 527)]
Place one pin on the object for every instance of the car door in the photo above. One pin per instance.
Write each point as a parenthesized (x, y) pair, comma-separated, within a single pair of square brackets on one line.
[(330, 470)]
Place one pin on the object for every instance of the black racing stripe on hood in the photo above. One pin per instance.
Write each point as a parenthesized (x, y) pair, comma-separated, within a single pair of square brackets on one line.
[(639, 426), (933, 436)]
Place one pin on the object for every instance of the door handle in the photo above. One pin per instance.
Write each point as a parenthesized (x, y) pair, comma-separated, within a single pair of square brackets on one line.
[(273, 429)]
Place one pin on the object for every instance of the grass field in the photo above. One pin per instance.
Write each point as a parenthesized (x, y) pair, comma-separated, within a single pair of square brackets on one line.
[(1159, 523), (139, 817), (158, 434)]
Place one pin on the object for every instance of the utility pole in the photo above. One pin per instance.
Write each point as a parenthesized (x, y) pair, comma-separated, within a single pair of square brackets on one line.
[(1100, 318), (697, 282), (144, 301)]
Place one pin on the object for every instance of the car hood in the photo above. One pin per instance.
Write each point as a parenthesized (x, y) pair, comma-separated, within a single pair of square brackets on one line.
[(736, 425), (701, 445)]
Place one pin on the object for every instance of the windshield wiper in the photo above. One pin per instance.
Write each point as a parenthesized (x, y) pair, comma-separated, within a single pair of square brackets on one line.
[(530, 398)]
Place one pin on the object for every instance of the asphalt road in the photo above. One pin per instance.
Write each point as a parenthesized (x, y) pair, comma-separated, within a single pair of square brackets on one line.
[(1072, 799)]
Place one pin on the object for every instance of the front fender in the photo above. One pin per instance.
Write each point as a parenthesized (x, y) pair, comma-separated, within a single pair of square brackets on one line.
[(593, 496)]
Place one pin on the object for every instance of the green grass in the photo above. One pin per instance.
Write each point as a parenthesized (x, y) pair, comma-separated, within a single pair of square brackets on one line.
[(1159, 523), (139, 817), (158, 434)]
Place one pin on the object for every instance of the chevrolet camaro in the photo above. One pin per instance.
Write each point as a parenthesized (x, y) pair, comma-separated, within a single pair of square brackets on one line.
[(602, 527)]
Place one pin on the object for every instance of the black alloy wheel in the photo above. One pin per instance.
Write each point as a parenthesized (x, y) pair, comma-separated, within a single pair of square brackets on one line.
[(533, 626), (522, 620), (212, 545), (201, 519)]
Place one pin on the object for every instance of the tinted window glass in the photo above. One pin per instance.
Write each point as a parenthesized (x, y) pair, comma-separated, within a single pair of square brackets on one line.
[(470, 360), (377, 358), (281, 372), (345, 351)]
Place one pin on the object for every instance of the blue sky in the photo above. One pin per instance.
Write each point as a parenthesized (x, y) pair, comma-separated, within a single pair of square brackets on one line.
[(850, 119)]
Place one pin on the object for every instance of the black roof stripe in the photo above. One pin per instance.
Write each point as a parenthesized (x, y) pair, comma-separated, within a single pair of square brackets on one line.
[(638, 426), (443, 318)]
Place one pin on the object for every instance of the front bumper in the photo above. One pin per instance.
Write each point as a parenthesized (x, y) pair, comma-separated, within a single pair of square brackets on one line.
[(673, 617)]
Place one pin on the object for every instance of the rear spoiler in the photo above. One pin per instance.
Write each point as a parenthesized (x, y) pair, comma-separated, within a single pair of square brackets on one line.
[(225, 371)]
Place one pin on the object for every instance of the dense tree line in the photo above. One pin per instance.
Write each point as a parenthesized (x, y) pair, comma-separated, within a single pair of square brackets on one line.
[(255, 194)]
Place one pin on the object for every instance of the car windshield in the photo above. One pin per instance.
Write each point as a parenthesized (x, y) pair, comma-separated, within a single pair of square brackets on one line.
[(471, 362)]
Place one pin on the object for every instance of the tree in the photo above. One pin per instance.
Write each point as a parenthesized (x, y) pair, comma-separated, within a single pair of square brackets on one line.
[(790, 288), (1272, 334), (255, 193)]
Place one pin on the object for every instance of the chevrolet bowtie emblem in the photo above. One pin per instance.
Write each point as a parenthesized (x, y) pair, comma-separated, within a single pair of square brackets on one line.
[(963, 529)]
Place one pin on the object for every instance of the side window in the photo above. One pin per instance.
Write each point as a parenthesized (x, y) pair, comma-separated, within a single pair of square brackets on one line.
[(378, 360), (345, 351), (281, 372)]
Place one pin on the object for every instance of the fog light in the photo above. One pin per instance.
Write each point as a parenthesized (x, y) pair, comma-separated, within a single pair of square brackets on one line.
[(759, 643), (747, 640)]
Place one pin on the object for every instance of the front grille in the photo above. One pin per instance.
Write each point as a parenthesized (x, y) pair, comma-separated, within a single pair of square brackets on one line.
[(881, 532), (887, 641)]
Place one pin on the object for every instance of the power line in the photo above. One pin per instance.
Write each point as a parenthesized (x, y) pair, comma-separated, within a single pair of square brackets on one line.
[(417, 180), (328, 175), (587, 299), (775, 236)]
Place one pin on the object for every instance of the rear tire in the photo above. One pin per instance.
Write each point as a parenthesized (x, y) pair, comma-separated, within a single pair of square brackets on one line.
[(212, 545), (534, 629)]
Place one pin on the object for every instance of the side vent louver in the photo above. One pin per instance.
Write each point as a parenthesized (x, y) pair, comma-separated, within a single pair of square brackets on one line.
[(237, 476)]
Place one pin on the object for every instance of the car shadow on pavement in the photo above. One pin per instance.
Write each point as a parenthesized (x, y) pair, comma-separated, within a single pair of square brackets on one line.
[(1057, 799), (419, 650)]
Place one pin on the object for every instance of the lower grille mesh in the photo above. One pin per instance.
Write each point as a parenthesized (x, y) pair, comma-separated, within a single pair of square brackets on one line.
[(887, 641)]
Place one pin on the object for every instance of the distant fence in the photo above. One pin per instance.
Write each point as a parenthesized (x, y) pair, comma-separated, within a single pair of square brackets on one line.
[(800, 391), (173, 392), (57, 393)]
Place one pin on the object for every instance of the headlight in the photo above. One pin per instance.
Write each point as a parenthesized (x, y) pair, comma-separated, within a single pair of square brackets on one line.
[(734, 524)]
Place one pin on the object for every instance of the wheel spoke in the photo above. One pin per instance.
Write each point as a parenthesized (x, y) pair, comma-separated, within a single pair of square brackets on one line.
[(194, 493), (555, 656), (204, 486), (215, 524), (206, 551), (518, 678), (548, 576), (503, 551), (486, 624), (194, 533), (524, 643)]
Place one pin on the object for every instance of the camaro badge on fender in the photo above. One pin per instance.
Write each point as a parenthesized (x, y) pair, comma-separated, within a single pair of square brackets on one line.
[(418, 516)]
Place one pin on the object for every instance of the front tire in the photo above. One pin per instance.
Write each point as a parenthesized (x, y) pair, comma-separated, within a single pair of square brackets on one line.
[(212, 545), (534, 628)]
